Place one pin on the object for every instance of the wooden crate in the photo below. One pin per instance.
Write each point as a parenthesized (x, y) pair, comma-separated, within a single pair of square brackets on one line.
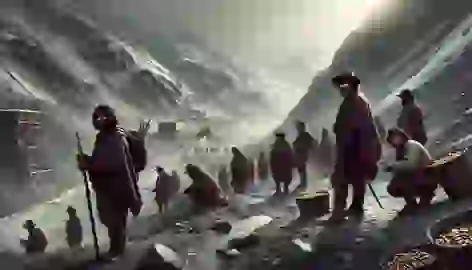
[(313, 204)]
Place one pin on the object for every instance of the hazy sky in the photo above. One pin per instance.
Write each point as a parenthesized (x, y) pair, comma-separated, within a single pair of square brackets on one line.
[(264, 30)]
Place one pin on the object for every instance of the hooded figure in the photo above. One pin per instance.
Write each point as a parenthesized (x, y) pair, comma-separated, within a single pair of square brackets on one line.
[(411, 117), (281, 163), (203, 191), (36, 242), (409, 179), (113, 177), (263, 167), (239, 171), (303, 147), (175, 185), (74, 232), (358, 148), (163, 189), (223, 179)]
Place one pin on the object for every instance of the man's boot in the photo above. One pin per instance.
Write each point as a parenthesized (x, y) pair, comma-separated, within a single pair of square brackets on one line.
[(286, 189), (410, 207)]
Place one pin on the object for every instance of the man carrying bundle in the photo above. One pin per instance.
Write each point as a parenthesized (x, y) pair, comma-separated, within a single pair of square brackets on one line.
[(117, 158)]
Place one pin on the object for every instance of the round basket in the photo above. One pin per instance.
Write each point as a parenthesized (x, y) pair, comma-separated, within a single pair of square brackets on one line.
[(451, 256), (421, 262)]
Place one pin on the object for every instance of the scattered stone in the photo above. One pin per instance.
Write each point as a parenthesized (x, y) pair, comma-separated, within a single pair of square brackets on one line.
[(160, 257), (231, 253), (222, 227), (243, 243)]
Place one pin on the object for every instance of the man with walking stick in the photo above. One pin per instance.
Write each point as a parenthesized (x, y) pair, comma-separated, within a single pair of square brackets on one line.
[(358, 148), (113, 169)]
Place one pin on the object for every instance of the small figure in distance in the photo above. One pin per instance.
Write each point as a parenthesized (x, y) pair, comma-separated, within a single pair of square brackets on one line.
[(74, 232), (36, 241)]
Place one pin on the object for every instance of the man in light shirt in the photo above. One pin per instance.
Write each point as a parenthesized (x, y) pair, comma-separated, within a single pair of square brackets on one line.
[(409, 181)]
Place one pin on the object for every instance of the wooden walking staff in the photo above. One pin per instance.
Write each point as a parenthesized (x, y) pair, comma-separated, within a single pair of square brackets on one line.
[(89, 202)]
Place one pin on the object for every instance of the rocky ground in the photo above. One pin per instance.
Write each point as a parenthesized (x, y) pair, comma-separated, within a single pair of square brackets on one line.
[(282, 243)]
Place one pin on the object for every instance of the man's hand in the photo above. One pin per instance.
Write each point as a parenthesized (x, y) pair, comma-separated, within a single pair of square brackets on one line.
[(82, 162), (144, 128)]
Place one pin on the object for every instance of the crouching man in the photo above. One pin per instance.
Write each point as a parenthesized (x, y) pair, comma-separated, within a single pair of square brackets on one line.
[(409, 180)]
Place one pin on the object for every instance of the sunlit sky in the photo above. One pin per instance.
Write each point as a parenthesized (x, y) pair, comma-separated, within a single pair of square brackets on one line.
[(257, 30)]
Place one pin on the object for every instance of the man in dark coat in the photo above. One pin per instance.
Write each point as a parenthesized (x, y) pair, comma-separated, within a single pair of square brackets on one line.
[(358, 148), (411, 117), (74, 232), (281, 163), (303, 146), (239, 171), (113, 177)]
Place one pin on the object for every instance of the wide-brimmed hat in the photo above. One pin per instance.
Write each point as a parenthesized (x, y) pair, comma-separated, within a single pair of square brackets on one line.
[(71, 210), (29, 224), (405, 93), (279, 134), (348, 78)]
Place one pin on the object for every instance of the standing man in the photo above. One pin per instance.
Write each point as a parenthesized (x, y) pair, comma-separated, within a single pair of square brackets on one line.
[(358, 148), (411, 117), (281, 163), (302, 147), (113, 177)]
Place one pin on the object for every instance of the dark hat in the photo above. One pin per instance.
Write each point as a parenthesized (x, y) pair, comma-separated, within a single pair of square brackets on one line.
[(71, 210), (346, 78), (405, 93), (279, 134), (29, 224), (159, 169)]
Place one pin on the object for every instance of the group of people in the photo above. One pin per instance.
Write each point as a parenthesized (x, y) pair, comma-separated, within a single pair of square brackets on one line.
[(359, 149), (280, 164), (119, 156), (36, 242)]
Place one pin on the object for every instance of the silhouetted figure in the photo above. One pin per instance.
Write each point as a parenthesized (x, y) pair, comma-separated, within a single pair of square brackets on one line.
[(203, 191), (163, 189), (303, 147), (74, 233), (409, 180), (223, 179), (113, 177), (325, 154), (239, 171), (281, 163), (263, 167), (175, 185), (36, 242), (411, 117), (358, 148)]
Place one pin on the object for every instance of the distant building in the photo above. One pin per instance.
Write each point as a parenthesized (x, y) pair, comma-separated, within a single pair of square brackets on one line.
[(167, 130), (21, 161)]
